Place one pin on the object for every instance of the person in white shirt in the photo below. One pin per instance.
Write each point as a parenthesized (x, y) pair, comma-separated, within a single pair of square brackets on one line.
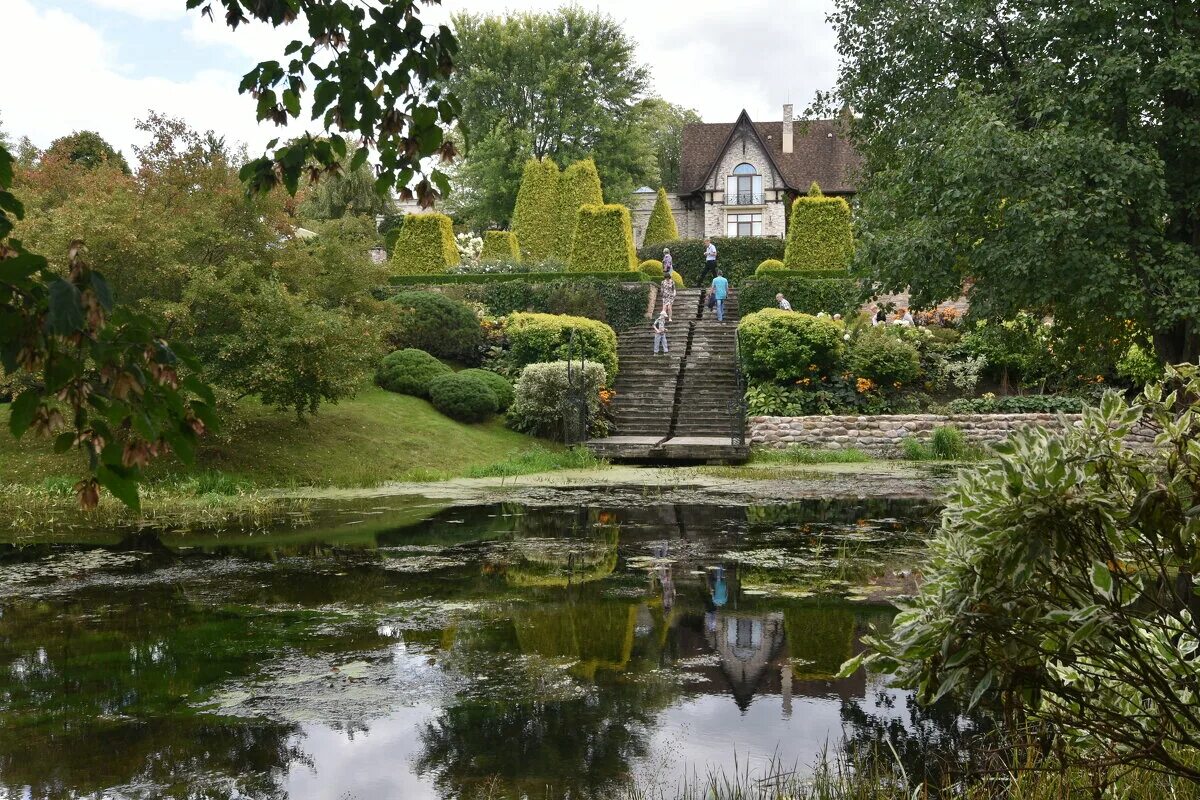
[(782, 302), (710, 260), (907, 319)]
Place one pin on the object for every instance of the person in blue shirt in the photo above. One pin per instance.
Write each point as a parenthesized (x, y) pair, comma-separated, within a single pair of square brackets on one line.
[(720, 287)]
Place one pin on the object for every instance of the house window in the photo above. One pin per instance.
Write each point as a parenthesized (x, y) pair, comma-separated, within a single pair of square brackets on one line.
[(744, 225), (744, 186)]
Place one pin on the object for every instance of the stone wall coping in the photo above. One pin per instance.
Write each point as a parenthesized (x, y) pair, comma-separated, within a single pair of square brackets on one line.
[(901, 418)]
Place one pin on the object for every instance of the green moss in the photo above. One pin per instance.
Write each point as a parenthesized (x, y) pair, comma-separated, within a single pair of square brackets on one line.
[(603, 240), (500, 246), (536, 217), (579, 186), (425, 245), (819, 235), (661, 227)]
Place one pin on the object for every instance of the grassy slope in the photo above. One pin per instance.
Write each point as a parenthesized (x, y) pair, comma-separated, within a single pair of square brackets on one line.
[(376, 437)]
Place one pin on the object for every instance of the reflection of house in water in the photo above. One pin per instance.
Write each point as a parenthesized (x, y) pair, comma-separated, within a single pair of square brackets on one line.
[(748, 647)]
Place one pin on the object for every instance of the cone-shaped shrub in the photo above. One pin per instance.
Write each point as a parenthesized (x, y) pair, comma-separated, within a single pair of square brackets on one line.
[(579, 186), (535, 217), (661, 227), (425, 245), (500, 246), (603, 240), (819, 236)]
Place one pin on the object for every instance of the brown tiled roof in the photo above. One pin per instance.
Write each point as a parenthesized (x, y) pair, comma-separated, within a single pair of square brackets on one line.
[(821, 152)]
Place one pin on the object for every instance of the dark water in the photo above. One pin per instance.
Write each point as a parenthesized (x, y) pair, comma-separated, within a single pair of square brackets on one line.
[(407, 652)]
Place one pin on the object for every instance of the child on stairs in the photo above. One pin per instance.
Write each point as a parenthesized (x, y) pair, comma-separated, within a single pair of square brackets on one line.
[(660, 333)]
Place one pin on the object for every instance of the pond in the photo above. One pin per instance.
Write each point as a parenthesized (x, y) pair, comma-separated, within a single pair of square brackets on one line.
[(401, 649)]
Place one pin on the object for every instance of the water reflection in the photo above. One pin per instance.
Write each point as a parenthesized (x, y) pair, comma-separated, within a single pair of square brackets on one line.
[(502, 651)]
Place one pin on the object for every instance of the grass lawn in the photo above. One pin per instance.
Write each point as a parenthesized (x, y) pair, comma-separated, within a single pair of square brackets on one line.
[(376, 437)]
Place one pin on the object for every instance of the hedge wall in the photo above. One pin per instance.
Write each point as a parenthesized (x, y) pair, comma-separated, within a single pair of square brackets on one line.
[(579, 186), (500, 246), (737, 257), (425, 245), (819, 235), (661, 227), (603, 240), (535, 338), (807, 295), (505, 277), (535, 216)]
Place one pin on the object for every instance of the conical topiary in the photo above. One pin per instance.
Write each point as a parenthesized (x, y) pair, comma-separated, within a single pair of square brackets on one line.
[(425, 245), (814, 190), (535, 217), (661, 227), (500, 246), (578, 186)]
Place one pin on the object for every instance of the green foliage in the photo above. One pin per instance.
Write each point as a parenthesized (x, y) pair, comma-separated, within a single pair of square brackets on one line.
[(1138, 366), (808, 295), (660, 229), (1018, 404), (537, 338), (409, 372), (333, 268), (603, 240), (738, 256), (512, 277), (770, 265), (500, 246), (439, 325), (819, 234), (425, 245), (946, 443), (819, 640), (884, 357), (664, 123), (653, 270), (535, 217), (501, 386), (463, 396), (1060, 584), (788, 346), (621, 306), (87, 149), (541, 407), (798, 454), (579, 186), (351, 191)]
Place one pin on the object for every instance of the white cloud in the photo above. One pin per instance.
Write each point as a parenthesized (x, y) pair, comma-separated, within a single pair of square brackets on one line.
[(143, 9)]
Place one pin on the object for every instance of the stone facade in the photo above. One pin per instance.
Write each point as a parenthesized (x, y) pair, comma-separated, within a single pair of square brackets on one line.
[(689, 222)]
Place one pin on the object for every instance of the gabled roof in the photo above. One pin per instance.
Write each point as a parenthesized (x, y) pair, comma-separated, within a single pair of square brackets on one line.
[(821, 152)]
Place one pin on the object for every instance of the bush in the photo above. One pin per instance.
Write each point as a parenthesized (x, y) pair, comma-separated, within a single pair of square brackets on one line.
[(501, 386), (409, 371), (540, 406), (500, 246), (808, 295), (660, 229), (883, 357), (770, 265), (819, 235), (535, 217), (787, 346), (737, 256), (425, 245), (464, 397), (1018, 404), (535, 338), (435, 323), (1138, 366), (654, 271), (579, 186), (603, 240), (620, 306), (946, 443), (517, 275)]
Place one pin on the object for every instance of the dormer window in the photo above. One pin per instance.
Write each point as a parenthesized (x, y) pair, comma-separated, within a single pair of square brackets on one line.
[(744, 186)]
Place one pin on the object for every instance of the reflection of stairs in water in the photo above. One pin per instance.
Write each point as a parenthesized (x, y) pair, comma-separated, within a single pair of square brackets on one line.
[(682, 406)]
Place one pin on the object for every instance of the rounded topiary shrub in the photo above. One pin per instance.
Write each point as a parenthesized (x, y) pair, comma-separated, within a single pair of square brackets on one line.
[(786, 346), (437, 324), (770, 265), (501, 386), (880, 355), (654, 271), (409, 371), (464, 397)]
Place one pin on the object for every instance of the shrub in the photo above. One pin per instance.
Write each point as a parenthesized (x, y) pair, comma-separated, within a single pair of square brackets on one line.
[(808, 295), (435, 323), (884, 358), (660, 229), (464, 397), (535, 216), (1018, 404), (1139, 366), (500, 246), (603, 240), (738, 256), (537, 338), (654, 270), (770, 265), (540, 407), (819, 235), (409, 371), (501, 386), (787, 346), (946, 443), (425, 245), (579, 186), (621, 306)]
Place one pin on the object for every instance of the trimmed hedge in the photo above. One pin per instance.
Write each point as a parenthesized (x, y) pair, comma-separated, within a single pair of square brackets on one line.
[(409, 371), (425, 245), (500, 246), (603, 240), (819, 235), (661, 228), (501, 386), (620, 306), (437, 324), (1018, 404), (464, 397), (528, 277), (653, 270), (808, 295), (770, 265), (535, 338), (579, 186), (786, 346), (535, 217), (738, 257)]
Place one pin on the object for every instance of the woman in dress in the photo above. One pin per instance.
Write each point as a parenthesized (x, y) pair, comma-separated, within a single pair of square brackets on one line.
[(668, 295)]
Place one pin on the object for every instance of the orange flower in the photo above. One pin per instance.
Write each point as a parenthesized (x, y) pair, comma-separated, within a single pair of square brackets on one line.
[(864, 385)]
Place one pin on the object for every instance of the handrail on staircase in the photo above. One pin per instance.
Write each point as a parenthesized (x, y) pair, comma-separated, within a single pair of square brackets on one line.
[(737, 405)]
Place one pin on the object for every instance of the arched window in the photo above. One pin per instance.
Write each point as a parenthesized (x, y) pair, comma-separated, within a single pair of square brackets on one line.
[(744, 186)]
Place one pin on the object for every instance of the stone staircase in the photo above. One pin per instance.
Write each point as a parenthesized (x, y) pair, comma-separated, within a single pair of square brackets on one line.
[(680, 406)]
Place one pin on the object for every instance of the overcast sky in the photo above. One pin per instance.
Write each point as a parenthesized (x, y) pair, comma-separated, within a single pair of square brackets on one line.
[(101, 64)]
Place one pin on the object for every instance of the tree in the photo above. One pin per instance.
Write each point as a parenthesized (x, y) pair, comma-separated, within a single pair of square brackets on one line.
[(660, 229), (536, 218), (578, 186), (350, 192), (664, 124), (1047, 153), (88, 149), (562, 85)]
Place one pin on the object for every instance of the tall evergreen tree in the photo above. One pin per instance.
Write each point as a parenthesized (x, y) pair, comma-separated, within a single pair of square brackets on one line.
[(579, 185)]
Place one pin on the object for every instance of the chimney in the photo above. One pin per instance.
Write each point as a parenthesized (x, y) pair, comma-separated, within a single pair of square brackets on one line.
[(787, 128)]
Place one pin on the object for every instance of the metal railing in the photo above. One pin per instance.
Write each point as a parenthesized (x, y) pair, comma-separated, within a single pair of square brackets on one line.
[(576, 415), (737, 405), (744, 198)]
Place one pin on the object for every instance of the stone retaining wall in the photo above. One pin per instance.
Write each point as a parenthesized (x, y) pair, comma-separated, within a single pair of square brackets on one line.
[(883, 434)]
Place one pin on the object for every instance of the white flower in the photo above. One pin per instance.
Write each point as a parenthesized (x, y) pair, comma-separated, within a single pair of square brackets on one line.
[(846, 337)]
